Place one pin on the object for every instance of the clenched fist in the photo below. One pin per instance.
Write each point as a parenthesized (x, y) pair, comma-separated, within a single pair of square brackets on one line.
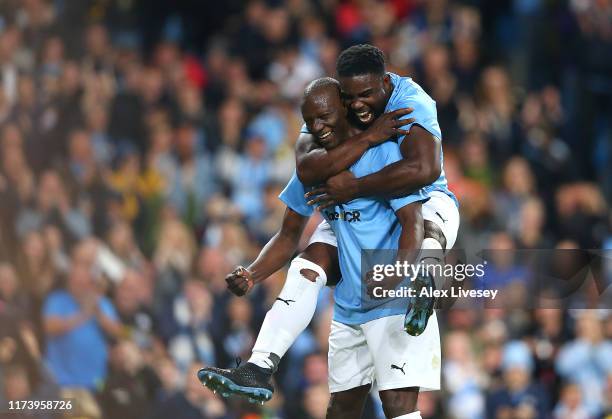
[(239, 282)]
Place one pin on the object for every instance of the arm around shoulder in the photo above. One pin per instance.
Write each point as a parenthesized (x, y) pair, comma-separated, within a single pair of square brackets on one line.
[(315, 164), (420, 166)]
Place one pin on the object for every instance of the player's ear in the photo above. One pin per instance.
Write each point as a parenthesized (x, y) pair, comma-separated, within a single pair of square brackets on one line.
[(387, 81)]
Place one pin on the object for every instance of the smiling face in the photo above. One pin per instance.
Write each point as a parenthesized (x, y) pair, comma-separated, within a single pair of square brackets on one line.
[(325, 116), (365, 96)]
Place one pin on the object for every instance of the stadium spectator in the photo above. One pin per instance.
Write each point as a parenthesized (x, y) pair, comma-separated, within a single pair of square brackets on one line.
[(76, 320), (587, 360), (570, 404), (520, 396)]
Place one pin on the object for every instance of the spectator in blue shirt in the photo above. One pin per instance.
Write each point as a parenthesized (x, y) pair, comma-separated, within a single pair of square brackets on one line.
[(520, 396), (76, 322), (587, 360)]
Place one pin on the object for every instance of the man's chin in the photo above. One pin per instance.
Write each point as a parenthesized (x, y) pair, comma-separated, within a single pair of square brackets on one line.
[(331, 144)]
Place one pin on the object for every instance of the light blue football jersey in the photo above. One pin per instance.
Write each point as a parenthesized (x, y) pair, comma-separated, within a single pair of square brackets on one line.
[(361, 224), (408, 94)]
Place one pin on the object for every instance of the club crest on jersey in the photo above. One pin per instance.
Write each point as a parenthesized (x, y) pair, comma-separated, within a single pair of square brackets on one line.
[(348, 216)]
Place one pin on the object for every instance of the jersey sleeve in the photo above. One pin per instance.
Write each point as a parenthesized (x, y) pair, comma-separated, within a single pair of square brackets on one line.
[(424, 113), (293, 197), (418, 196)]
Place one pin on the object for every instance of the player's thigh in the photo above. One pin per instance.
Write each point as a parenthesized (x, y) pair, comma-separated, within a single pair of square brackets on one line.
[(322, 250), (349, 359), (442, 211), (348, 404), (399, 401), (401, 360), (326, 256)]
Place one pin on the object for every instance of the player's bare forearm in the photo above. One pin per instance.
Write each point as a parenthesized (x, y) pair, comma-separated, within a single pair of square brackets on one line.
[(279, 250), (314, 164), (419, 167)]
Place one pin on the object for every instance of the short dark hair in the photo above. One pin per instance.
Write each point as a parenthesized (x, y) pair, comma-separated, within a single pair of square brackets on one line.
[(319, 84), (360, 59)]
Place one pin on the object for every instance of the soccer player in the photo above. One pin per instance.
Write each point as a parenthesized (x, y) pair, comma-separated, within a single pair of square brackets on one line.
[(363, 340), (368, 90)]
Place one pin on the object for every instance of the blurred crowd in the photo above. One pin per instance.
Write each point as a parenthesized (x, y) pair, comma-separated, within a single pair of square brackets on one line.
[(142, 148)]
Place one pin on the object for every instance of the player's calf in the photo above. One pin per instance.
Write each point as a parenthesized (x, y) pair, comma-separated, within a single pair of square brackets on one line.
[(422, 305), (290, 314)]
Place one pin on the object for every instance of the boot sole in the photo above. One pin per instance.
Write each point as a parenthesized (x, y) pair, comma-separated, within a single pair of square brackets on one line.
[(226, 387)]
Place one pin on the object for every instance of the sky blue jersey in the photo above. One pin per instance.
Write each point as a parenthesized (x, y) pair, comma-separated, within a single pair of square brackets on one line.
[(361, 224), (408, 94)]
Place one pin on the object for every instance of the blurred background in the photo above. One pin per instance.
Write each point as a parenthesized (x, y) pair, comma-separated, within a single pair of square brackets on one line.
[(142, 148)]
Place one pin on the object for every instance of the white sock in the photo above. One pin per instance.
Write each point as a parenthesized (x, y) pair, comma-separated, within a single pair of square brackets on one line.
[(288, 317), (432, 254), (413, 415)]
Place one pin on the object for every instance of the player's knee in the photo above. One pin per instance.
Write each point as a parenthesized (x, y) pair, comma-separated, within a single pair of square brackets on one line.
[(309, 274), (434, 236), (308, 270), (434, 243), (322, 255)]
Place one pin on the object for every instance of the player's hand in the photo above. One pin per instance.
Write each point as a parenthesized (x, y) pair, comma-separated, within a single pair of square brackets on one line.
[(239, 282), (389, 126), (338, 189)]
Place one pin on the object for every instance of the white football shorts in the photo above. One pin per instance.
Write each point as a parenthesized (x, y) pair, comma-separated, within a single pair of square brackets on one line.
[(381, 351)]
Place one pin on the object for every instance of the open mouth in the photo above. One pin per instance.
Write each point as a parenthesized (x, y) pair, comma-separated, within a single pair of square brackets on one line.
[(364, 117), (323, 137)]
